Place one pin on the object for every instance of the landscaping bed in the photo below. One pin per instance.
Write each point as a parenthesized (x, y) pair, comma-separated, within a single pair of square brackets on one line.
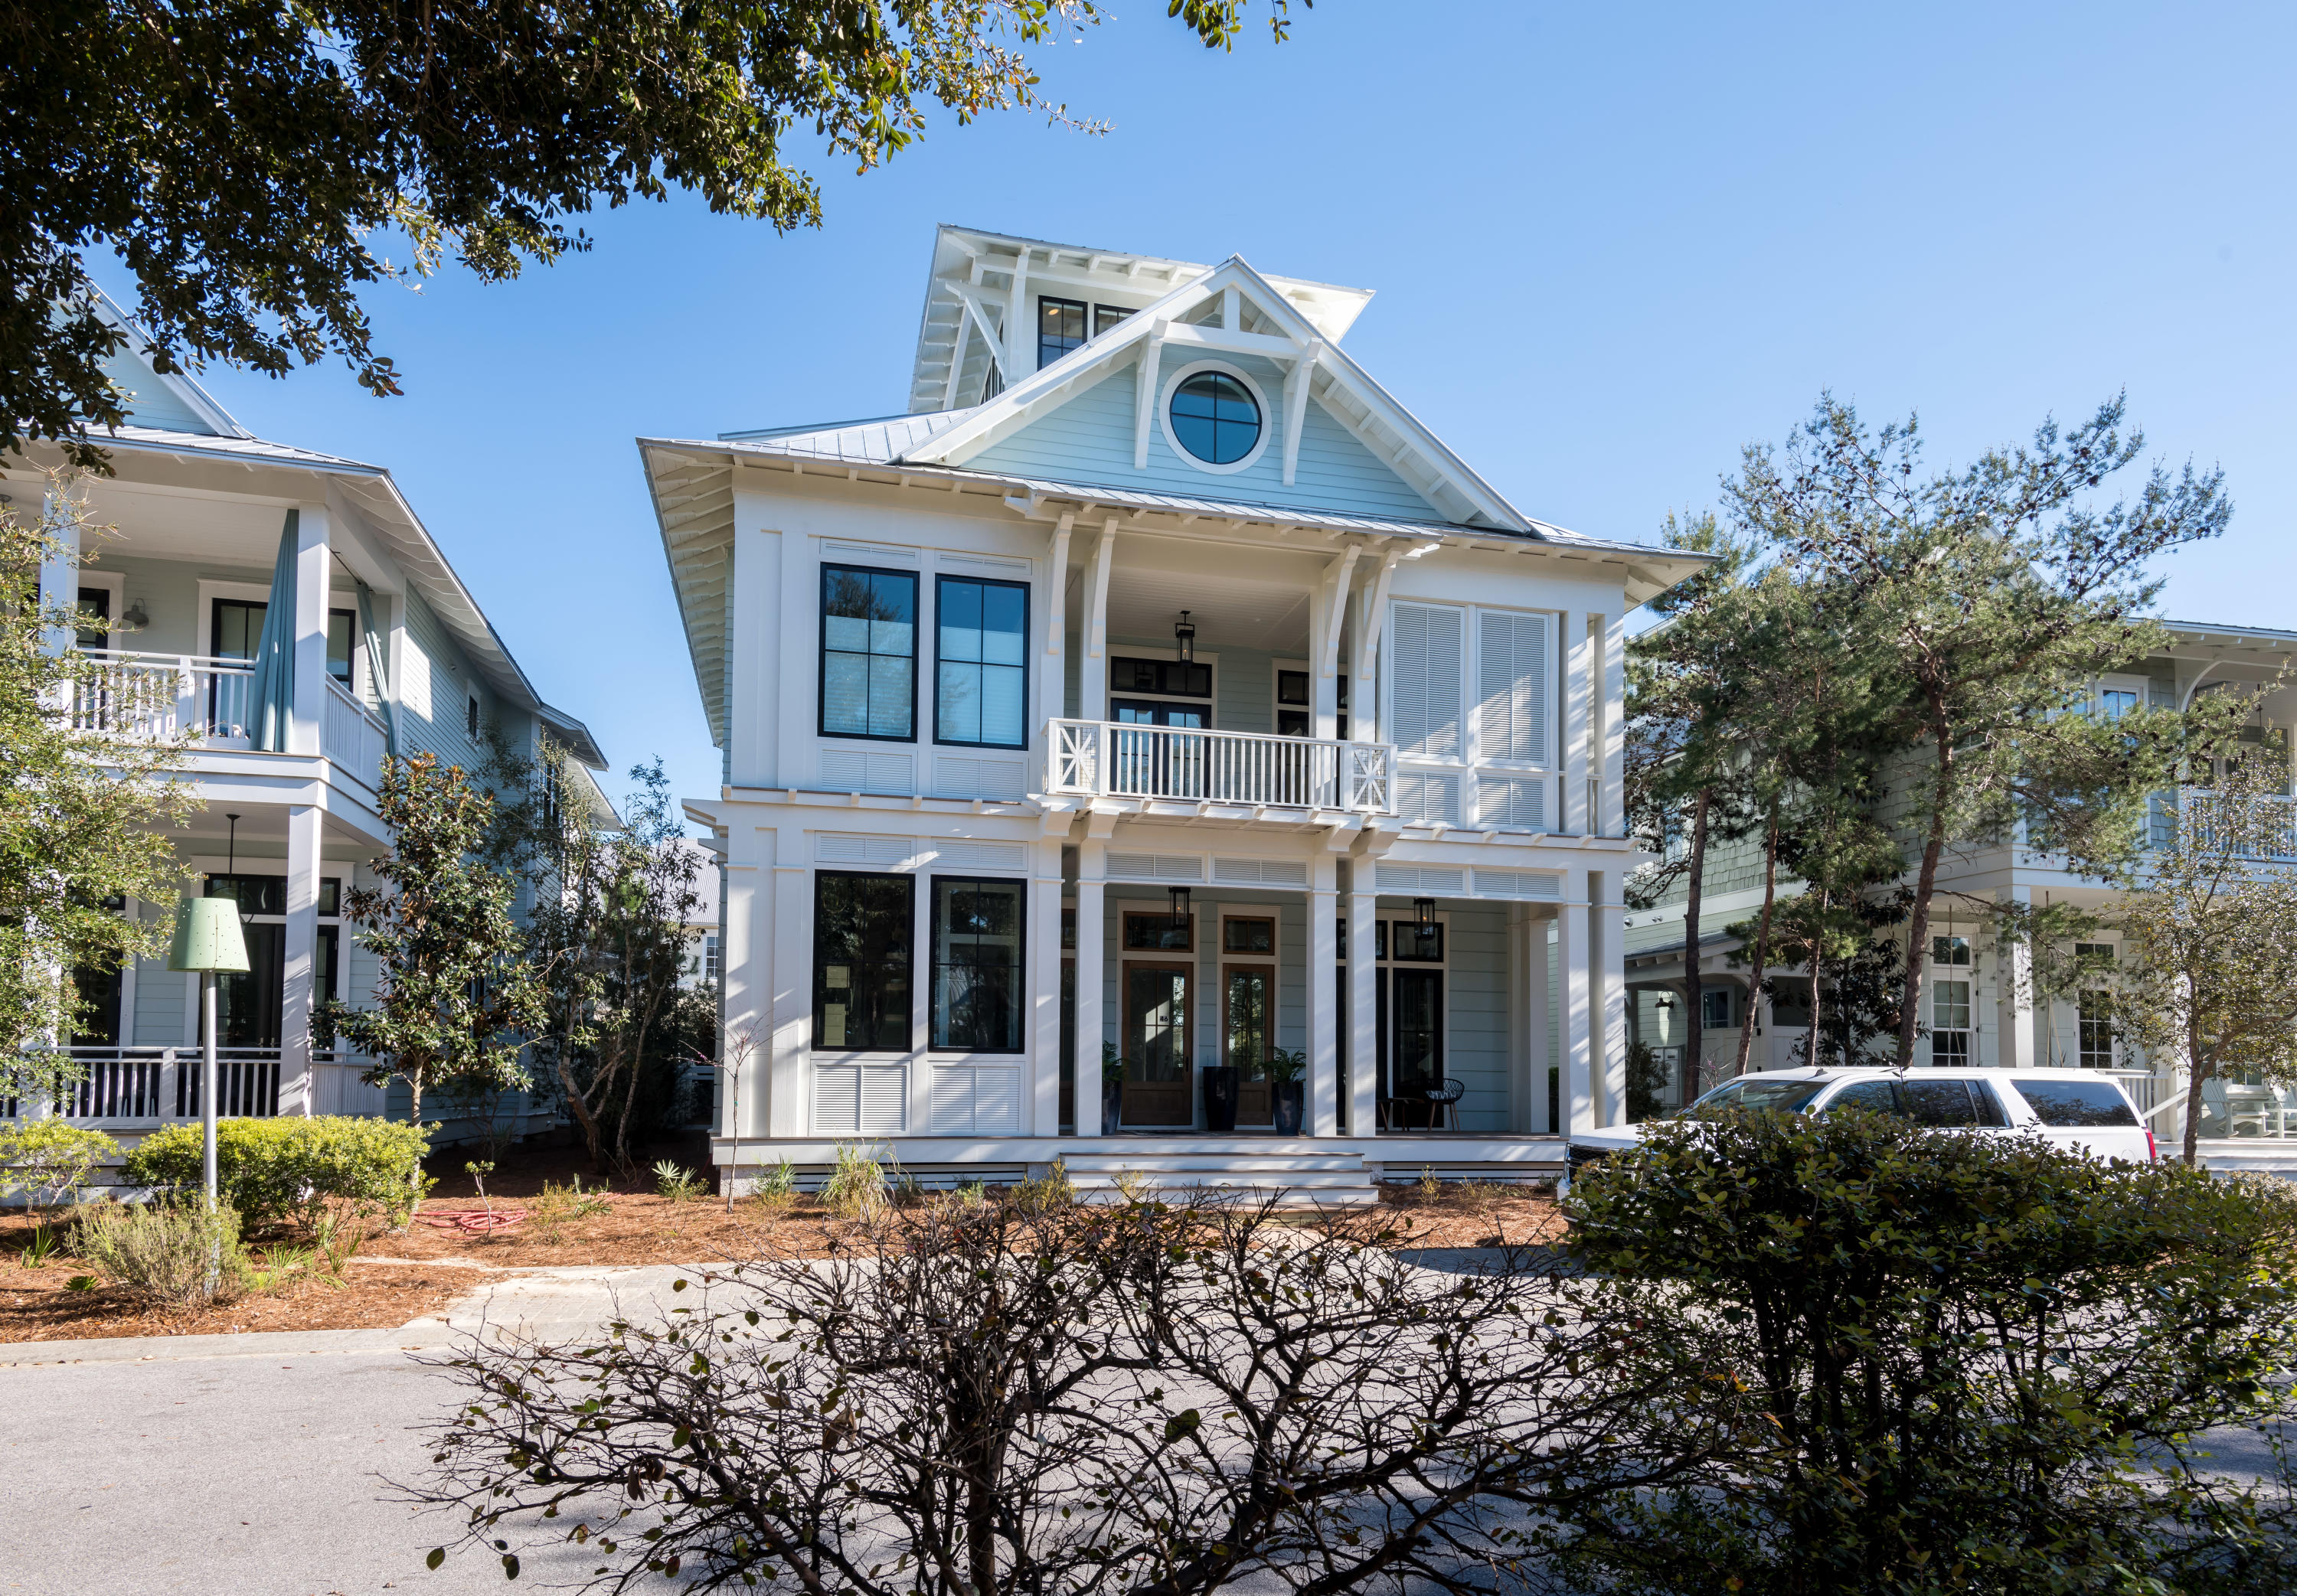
[(531, 1217)]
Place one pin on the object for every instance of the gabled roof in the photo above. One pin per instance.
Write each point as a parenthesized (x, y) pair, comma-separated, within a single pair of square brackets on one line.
[(1317, 369), (1001, 273)]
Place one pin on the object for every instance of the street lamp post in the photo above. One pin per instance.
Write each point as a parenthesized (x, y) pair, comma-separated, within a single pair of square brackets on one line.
[(208, 942)]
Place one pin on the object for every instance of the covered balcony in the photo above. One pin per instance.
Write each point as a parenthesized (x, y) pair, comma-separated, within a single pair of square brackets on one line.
[(1248, 771)]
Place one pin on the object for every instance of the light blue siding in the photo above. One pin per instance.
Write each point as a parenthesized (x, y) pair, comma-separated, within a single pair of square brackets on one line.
[(149, 403), (1090, 439)]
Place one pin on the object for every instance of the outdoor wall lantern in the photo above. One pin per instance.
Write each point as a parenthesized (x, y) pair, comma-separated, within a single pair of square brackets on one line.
[(1180, 895), (1425, 908), (1184, 633)]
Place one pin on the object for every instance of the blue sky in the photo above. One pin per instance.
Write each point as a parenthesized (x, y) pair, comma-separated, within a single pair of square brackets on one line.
[(1611, 244)]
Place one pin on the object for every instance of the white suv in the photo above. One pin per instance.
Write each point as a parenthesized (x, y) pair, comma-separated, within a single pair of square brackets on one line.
[(2074, 1108)]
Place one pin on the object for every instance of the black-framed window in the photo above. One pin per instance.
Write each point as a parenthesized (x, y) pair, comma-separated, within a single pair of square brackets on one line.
[(863, 927), (96, 605), (342, 630), (1419, 944), (1104, 317), (976, 928), (235, 626), (981, 695), (868, 653), (1060, 328), (1216, 419)]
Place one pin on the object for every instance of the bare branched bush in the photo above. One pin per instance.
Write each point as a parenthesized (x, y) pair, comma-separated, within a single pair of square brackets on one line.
[(1145, 1399)]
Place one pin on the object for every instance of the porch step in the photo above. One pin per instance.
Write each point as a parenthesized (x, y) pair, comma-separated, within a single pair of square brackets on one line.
[(1329, 1178)]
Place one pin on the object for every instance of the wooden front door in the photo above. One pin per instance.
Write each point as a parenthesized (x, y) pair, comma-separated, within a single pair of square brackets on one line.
[(1156, 1014)]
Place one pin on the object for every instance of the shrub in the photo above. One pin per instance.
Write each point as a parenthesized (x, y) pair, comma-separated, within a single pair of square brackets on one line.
[(558, 1205), (676, 1181), (52, 1157), (163, 1252), (1044, 1196), (777, 1188), (1983, 1362), (290, 1170), (856, 1187)]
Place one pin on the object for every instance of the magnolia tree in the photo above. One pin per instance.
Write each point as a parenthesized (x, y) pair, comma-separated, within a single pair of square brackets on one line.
[(85, 812), (456, 999), (2208, 975)]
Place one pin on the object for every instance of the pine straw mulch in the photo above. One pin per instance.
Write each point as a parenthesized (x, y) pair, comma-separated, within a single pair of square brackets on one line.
[(401, 1277), (37, 1304)]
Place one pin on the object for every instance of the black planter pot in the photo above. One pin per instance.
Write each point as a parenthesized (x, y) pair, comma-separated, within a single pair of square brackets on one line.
[(1112, 1106), (1220, 1098), (1289, 1100)]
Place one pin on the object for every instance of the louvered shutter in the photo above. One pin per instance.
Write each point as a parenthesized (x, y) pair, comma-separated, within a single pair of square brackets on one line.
[(1511, 688), (1428, 640)]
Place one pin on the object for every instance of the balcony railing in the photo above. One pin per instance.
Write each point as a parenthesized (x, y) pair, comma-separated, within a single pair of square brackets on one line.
[(1113, 760), (160, 697), (351, 735), (2270, 832)]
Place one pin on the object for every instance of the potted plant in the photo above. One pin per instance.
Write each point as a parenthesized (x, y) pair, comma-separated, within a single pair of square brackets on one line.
[(1221, 1081), (1112, 1089), (1286, 1092)]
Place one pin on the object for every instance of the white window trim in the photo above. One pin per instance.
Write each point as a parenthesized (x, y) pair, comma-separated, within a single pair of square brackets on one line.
[(1259, 397)]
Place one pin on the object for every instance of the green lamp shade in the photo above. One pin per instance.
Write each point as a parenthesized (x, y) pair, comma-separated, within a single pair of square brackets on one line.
[(208, 938)]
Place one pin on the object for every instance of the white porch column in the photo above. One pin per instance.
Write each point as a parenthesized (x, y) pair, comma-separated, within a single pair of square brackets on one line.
[(1578, 1014), (2013, 994), (1363, 1003), (301, 976), (1323, 1110), (60, 571), (745, 981), (1612, 821), (788, 931), (1091, 888), (1044, 978), (313, 565), (1052, 664), (1578, 662), (1607, 965), (1538, 955)]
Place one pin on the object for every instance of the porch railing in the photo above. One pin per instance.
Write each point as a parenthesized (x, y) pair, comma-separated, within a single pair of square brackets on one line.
[(2270, 832), (1111, 758), (160, 697), (153, 1085), (352, 735)]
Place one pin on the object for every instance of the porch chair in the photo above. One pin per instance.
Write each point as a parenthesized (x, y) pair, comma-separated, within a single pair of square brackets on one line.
[(1443, 1103)]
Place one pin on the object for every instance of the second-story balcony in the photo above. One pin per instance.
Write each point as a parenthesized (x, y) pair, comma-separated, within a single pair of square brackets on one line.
[(1109, 759), (209, 702)]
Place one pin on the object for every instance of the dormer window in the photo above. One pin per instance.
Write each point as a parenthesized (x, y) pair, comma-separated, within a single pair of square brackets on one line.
[(1060, 328)]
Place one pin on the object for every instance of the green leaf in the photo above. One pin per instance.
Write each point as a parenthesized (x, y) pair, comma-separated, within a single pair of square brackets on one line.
[(438, 1556)]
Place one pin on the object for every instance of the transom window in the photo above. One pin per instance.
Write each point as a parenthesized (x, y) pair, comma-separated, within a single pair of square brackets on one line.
[(981, 696), (1215, 417), (868, 653), (1950, 950)]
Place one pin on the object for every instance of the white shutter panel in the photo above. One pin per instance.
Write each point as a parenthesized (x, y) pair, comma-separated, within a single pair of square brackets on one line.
[(1430, 661), (1511, 688)]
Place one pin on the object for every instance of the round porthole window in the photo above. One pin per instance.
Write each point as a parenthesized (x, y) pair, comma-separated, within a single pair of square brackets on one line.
[(1215, 417)]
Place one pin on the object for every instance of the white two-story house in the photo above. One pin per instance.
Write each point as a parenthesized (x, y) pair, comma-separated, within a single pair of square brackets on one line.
[(1156, 690), (209, 529)]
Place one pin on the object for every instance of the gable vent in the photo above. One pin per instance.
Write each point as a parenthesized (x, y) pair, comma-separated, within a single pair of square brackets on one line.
[(1422, 880), (1260, 872), (1519, 884), (851, 847), (1157, 867)]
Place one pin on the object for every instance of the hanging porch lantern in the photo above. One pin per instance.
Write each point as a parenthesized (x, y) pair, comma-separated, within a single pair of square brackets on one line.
[(1184, 634)]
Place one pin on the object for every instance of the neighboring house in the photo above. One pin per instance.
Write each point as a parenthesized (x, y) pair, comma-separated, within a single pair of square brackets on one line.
[(700, 966), (386, 650), (1158, 683), (1976, 1005)]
